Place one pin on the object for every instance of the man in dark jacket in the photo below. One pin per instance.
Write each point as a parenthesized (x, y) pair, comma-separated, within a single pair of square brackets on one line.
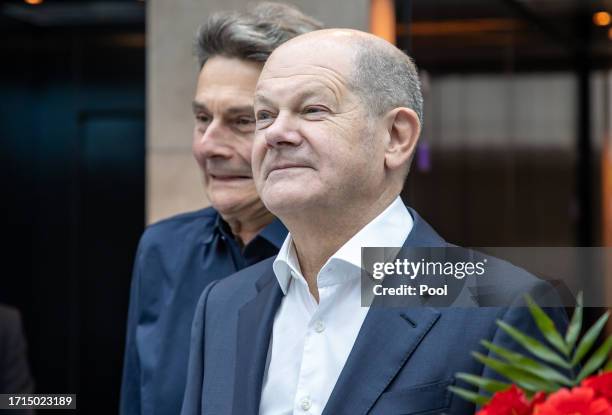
[(179, 256)]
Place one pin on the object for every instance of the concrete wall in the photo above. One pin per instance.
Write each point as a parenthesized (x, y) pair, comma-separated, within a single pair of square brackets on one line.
[(173, 180)]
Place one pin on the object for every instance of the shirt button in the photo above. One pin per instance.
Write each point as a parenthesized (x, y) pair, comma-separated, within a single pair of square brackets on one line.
[(305, 404), (319, 326)]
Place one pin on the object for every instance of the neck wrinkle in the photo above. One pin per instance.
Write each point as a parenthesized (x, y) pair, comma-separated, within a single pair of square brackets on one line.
[(246, 224), (317, 238)]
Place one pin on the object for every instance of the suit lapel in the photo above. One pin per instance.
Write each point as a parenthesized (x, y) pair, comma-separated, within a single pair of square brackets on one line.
[(255, 321), (385, 342), (387, 339)]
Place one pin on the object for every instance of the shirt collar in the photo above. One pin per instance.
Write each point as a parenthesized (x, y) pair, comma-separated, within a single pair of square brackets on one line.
[(223, 227), (286, 264), (275, 232), (389, 229)]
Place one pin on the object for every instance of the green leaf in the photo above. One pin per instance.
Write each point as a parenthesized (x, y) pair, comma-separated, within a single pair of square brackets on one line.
[(589, 338), (469, 395), (546, 326), (608, 367), (523, 379), (573, 330), (528, 365), (596, 360), (534, 346), (488, 385)]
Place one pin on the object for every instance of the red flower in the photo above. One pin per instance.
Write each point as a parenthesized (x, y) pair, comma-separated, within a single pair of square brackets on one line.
[(601, 384), (511, 401), (578, 401), (538, 398)]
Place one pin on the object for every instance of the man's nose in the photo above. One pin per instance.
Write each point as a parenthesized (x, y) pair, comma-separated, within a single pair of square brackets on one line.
[(283, 132), (213, 142)]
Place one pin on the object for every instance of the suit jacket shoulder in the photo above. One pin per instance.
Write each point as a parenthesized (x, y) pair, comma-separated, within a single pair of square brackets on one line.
[(213, 340), (237, 288), (184, 225)]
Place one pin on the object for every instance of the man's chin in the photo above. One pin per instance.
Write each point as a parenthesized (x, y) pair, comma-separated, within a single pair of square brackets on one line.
[(220, 184), (227, 204), (284, 203)]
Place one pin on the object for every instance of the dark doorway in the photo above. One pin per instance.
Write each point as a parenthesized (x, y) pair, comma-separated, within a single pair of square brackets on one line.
[(72, 126)]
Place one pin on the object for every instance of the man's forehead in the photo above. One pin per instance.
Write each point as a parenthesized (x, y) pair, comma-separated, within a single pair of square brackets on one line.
[(223, 90), (228, 76), (298, 90), (221, 67), (306, 71), (226, 98), (323, 65), (319, 71), (299, 82)]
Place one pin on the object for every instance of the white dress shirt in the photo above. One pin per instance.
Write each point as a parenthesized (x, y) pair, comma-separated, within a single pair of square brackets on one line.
[(311, 341)]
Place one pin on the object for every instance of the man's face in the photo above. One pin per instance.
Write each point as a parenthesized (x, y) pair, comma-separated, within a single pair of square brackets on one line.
[(314, 147), (223, 132)]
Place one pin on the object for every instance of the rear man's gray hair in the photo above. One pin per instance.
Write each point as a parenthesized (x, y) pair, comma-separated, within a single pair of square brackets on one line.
[(251, 35), (385, 78)]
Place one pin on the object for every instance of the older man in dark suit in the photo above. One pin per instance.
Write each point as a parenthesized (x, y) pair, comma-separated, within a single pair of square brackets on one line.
[(338, 114)]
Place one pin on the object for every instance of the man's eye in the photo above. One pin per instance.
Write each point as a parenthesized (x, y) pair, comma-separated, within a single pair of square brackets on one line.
[(244, 124), (314, 111), (203, 118), (263, 115), (264, 119), (244, 121)]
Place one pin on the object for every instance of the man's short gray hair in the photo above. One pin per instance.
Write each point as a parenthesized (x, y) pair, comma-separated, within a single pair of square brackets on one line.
[(386, 78), (251, 35)]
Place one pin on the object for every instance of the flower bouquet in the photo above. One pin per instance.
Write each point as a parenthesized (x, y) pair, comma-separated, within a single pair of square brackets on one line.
[(561, 384)]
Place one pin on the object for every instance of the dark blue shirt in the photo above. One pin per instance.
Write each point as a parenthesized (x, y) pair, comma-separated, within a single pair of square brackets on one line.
[(176, 259)]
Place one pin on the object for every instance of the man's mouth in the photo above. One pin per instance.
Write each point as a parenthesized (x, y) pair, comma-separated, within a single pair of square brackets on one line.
[(286, 166), (228, 177)]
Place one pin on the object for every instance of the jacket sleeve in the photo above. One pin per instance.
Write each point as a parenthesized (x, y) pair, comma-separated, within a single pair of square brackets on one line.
[(130, 403), (192, 400), (519, 317)]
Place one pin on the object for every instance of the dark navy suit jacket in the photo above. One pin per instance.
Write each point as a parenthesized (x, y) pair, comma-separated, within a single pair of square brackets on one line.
[(402, 362)]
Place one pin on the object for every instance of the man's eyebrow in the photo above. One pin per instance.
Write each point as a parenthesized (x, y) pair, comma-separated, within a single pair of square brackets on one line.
[(262, 100), (240, 110), (309, 93), (199, 106), (301, 96)]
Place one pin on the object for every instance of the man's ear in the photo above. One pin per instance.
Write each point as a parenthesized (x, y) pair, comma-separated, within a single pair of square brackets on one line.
[(403, 127)]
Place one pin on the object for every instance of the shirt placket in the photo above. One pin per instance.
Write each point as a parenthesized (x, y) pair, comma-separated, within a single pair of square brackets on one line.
[(308, 393)]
